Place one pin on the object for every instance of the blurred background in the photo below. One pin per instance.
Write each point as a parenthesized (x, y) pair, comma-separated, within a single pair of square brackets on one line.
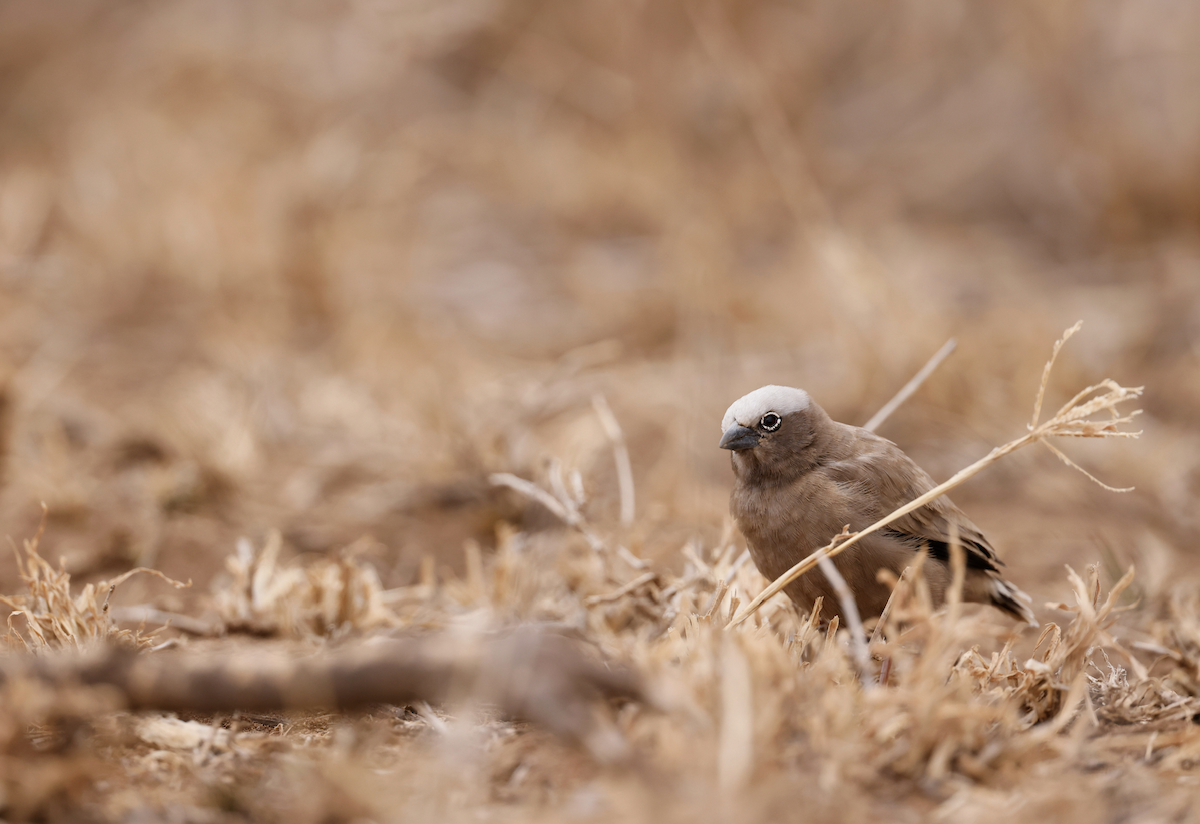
[(323, 266)]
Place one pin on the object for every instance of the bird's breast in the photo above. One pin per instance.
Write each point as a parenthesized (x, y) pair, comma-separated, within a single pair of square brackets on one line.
[(782, 524)]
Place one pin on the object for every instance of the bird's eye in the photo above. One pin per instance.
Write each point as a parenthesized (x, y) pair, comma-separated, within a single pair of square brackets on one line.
[(771, 421)]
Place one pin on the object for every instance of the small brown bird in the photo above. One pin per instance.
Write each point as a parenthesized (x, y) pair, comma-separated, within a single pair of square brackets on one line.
[(801, 477)]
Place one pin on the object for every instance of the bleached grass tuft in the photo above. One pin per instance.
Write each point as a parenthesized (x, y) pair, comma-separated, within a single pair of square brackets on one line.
[(56, 619), (268, 598)]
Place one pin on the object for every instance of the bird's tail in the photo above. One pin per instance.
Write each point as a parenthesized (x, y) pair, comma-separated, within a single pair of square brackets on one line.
[(1008, 598)]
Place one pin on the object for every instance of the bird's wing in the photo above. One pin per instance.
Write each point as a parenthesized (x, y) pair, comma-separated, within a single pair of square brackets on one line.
[(886, 479)]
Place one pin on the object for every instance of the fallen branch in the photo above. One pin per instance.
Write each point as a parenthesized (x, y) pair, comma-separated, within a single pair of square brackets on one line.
[(527, 674)]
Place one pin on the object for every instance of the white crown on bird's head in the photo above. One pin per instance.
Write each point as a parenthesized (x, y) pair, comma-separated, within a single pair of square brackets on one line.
[(749, 409)]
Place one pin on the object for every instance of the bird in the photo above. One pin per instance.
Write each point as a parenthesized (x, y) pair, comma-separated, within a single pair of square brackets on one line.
[(800, 477)]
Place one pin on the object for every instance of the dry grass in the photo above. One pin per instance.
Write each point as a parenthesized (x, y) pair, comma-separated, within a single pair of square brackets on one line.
[(419, 318), (962, 722), (322, 599), (53, 618)]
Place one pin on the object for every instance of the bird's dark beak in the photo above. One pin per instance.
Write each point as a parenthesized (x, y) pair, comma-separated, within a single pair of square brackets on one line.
[(739, 437)]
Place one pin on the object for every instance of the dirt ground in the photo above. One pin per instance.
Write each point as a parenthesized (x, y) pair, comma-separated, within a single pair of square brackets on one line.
[(323, 268)]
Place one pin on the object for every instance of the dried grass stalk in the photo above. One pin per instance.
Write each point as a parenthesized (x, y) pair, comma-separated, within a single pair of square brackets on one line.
[(858, 636), (563, 505), (612, 429), (912, 386)]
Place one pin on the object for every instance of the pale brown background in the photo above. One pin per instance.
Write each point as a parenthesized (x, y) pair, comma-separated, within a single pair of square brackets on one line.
[(323, 266)]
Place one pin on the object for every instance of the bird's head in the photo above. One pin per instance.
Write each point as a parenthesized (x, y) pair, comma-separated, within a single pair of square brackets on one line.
[(770, 430)]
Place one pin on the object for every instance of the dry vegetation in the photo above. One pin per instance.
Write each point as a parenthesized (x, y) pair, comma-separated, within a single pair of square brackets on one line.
[(403, 327)]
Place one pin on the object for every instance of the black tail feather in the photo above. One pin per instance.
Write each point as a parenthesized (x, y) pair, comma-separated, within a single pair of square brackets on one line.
[(1008, 598)]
